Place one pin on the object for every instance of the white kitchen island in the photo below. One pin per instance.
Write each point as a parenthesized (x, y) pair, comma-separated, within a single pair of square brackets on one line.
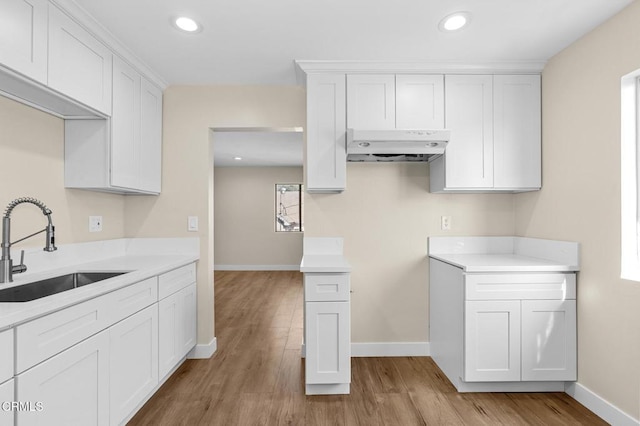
[(327, 334), (502, 312)]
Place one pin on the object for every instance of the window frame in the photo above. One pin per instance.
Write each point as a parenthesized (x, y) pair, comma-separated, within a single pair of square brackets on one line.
[(630, 176), (300, 207)]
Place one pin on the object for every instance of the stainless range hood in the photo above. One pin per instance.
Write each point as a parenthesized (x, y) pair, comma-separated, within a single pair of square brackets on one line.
[(395, 145)]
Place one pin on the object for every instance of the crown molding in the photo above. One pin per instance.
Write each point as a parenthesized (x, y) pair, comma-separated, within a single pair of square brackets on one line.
[(305, 67), (89, 23)]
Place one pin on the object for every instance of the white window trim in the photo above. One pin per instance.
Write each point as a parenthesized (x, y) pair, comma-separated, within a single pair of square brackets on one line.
[(630, 173)]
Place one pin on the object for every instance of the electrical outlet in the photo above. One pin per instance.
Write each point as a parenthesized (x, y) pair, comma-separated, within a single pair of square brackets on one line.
[(445, 223), (95, 223), (192, 223)]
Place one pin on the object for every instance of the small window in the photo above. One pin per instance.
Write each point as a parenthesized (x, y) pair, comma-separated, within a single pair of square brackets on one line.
[(289, 207), (630, 173)]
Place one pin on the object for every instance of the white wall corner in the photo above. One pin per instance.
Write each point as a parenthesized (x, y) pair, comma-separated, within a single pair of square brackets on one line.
[(204, 351), (603, 408)]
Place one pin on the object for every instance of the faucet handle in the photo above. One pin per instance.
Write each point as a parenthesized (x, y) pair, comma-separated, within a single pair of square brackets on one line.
[(18, 269)]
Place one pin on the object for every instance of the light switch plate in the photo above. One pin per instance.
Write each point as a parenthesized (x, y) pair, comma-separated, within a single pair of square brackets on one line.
[(95, 223), (192, 223), (445, 223)]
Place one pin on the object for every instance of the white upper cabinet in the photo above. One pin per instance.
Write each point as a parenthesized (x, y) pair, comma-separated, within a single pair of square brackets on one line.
[(122, 154), (23, 37), (150, 137), (79, 65), (326, 149), (390, 101), (125, 122), (419, 101), (371, 102), (469, 112), (495, 144), (517, 131)]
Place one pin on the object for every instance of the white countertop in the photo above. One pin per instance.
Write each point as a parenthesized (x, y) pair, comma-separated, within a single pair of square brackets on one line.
[(140, 265), (506, 254), (324, 263), (501, 263)]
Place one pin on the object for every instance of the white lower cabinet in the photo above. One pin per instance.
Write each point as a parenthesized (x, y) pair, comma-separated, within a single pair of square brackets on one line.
[(177, 328), (97, 362), (492, 341), (73, 386), (503, 332), (133, 372), (549, 340), (327, 333), (327, 355), (7, 397)]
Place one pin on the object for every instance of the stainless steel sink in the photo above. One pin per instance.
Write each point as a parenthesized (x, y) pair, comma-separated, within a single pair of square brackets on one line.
[(44, 288)]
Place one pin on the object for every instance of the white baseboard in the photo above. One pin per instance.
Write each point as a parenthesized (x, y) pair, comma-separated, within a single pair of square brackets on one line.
[(390, 349), (256, 267), (604, 409), (204, 351)]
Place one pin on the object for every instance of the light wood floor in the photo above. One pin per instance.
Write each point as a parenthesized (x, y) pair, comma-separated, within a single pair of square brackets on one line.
[(256, 376)]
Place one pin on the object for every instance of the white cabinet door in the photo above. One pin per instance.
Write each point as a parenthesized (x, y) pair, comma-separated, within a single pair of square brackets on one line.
[(79, 65), (7, 395), (326, 153), (169, 315), (328, 353), (549, 340), (150, 167), (6, 355), (492, 341), (469, 115), (125, 121), (23, 37), (177, 328), (517, 131), (371, 101), (419, 101), (188, 300), (73, 386), (134, 362)]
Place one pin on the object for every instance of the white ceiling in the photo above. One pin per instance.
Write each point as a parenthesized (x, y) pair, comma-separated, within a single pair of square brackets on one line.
[(256, 41), (257, 147)]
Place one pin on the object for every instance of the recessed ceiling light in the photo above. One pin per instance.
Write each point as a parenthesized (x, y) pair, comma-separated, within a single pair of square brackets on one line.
[(237, 158), (186, 24), (455, 21)]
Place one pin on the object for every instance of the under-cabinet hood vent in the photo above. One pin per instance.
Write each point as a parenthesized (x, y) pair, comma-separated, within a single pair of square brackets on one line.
[(395, 145)]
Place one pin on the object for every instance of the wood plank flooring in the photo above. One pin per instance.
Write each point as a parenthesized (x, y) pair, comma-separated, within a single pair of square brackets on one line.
[(257, 376)]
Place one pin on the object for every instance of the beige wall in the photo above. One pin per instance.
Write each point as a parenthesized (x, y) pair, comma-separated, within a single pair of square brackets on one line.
[(580, 200), (32, 164), (244, 217), (385, 217), (187, 160)]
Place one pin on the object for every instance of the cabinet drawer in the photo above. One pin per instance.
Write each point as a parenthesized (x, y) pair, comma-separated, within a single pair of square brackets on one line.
[(6, 355), (176, 280), (520, 286), (129, 300), (326, 287), (44, 337)]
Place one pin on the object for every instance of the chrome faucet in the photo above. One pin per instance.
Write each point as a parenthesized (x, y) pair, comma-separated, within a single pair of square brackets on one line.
[(6, 264)]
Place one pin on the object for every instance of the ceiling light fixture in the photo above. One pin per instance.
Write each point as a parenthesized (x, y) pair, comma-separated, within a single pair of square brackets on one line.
[(186, 24), (454, 21), (237, 158)]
